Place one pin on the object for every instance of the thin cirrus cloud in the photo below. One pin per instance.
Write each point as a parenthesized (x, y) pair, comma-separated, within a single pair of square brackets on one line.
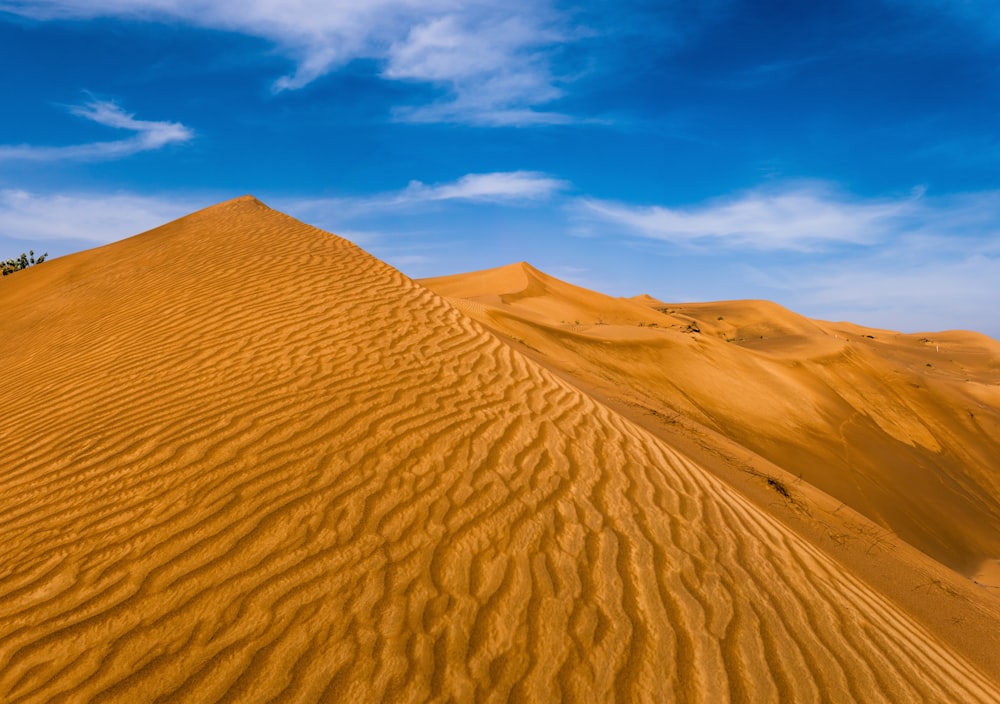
[(503, 187), (794, 218), (915, 260), (93, 218), (105, 217), (491, 58), (915, 295), (495, 71), (910, 261), (149, 135), (904, 262)]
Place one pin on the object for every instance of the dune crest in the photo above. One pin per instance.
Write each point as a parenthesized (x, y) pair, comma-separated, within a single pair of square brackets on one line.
[(244, 460)]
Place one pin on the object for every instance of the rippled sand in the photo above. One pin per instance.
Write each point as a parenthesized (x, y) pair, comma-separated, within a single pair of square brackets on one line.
[(245, 461)]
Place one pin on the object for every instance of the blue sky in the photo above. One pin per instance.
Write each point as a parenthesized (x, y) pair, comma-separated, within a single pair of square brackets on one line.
[(841, 158)]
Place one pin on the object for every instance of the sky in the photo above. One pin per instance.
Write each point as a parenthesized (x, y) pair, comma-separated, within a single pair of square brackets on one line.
[(840, 158)]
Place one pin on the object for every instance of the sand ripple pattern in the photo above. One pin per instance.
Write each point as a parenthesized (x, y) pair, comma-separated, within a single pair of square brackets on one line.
[(245, 461)]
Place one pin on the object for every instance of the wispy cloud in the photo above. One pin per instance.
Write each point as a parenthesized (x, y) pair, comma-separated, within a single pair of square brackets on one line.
[(921, 296), (924, 263), (105, 217), (798, 218), (491, 58), (504, 187), (495, 69), (918, 262), (94, 218), (148, 135)]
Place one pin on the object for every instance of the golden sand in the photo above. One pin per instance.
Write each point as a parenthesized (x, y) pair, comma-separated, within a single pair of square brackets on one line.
[(245, 461), (903, 428)]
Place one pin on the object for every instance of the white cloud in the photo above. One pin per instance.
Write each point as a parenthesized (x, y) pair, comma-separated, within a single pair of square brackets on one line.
[(930, 262), (926, 295), (918, 262), (503, 186), (105, 217), (939, 270), (494, 69), (801, 218), (91, 218), (507, 187), (492, 57), (149, 136)]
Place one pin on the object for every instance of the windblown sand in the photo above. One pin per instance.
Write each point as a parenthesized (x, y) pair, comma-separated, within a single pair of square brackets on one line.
[(903, 428), (245, 461)]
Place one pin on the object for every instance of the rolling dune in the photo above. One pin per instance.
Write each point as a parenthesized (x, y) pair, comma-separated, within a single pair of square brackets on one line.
[(903, 428), (246, 461)]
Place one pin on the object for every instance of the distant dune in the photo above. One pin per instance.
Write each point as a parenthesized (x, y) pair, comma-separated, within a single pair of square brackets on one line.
[(245, 461), (903, 428)]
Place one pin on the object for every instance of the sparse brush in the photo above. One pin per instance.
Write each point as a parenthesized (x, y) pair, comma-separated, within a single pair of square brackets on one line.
[(22, 262)]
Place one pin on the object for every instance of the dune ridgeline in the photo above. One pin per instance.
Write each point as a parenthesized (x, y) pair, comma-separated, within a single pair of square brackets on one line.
[(243, 460)]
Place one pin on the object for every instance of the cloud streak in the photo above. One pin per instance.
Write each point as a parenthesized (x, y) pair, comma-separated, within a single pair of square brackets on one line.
[(926, 262), (917, 262), (801, 218), (490, 58), (497, 187), (93, 218), (901, 291), (512, 188), (495, 69), (893, 287), (149, 136)]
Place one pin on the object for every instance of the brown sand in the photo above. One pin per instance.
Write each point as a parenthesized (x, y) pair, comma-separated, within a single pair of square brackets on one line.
[(245, 461)]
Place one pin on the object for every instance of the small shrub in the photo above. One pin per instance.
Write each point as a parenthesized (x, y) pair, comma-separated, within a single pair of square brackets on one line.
[(22, 262), (779, 487)]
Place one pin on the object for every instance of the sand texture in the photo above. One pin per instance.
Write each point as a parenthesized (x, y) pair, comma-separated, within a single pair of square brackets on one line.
[(245, 461), (903, 428)]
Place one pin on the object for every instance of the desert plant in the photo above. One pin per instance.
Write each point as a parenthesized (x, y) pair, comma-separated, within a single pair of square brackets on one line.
[(22, 262)]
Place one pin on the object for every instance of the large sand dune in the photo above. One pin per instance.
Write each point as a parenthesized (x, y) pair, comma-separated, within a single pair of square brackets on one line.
[(245, 461)]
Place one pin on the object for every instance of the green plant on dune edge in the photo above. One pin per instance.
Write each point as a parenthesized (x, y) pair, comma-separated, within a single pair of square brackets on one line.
[(22, 262)]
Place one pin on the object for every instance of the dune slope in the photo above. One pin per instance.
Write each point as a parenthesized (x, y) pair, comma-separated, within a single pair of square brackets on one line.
[(903, 428), (245, 461)]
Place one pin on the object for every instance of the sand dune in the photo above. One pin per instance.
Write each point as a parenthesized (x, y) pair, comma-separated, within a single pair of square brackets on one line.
[(245, 461), (903, 428)]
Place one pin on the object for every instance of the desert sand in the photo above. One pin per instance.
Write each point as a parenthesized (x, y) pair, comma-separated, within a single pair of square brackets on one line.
[(903, 428), (243, 460)]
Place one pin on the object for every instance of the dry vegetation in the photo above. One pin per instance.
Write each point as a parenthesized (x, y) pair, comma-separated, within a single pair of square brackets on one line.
[(22, 262)]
